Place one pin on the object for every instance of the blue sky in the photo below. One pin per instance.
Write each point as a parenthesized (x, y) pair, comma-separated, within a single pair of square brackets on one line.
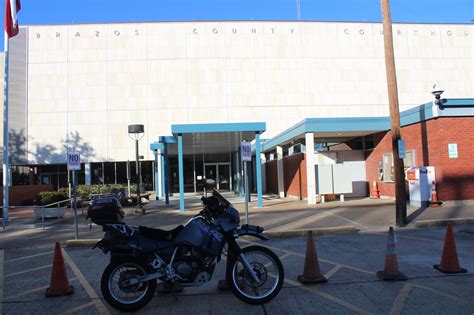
[(83, 11)]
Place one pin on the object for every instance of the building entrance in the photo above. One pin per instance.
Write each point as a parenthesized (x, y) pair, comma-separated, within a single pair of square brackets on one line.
[(221, 173)]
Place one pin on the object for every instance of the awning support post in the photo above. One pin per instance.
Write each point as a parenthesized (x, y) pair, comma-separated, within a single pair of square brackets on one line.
[(166, 185), (181, 172), (310, 168), (162, 177), (157, 179), (258, 165)]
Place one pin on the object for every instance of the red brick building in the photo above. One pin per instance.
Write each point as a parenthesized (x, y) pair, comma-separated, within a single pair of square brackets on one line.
[(428, 131)]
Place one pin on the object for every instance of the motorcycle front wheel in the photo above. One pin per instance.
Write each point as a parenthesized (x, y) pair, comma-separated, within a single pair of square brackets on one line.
[(124, 297), (268, 270)]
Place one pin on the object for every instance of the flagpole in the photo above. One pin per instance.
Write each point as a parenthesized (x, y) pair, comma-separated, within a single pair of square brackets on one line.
[(6, 164)]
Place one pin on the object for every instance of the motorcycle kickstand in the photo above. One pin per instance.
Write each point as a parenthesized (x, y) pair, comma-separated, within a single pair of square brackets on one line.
[(173, 290)]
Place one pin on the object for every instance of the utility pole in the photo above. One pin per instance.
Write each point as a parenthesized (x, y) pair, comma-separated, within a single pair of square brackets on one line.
[(399, 172)]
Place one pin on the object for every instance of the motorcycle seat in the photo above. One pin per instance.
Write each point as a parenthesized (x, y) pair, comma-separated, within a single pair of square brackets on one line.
[(159, 234)]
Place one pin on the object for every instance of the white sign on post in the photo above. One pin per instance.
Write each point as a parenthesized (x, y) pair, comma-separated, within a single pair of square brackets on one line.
[(453, 150), (73, 161), (74, 164), (246, 156), (246, 151)]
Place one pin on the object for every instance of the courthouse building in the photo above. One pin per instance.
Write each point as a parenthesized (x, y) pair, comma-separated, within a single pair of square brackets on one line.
[(199, 88)]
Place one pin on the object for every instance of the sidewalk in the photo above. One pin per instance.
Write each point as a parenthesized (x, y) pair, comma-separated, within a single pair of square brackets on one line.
[(277, 215), (288, 214)]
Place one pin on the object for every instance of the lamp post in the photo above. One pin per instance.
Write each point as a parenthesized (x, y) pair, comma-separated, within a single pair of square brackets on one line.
[(135, 132)]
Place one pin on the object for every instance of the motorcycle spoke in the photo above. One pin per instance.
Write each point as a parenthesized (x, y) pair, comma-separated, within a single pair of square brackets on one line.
[(265, 269), (127, 294)]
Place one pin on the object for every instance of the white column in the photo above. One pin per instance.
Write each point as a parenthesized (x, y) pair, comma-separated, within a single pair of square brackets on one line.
[(160, 189), (236, 173), (87, 171), (281, 186), (310, 171), (264, 173)]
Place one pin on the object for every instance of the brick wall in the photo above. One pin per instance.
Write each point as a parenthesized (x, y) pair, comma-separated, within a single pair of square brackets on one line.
[(429, 140), (24, 194), (271, 176), (295, 176)]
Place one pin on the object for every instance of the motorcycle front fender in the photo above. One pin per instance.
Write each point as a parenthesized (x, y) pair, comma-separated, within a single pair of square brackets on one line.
[(252, 230)]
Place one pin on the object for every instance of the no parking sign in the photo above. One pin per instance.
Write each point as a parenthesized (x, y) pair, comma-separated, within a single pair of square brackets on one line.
[(73, 161), (246, 151)]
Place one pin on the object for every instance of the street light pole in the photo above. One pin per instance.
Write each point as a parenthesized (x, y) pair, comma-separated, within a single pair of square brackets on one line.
[(136, 132), (137, 173), (399, 172)]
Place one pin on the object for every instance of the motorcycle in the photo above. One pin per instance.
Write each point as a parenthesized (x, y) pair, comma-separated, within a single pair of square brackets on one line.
[(187, 256)]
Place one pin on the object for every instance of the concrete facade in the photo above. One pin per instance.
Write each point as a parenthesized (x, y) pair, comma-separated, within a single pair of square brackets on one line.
[(86, 83)]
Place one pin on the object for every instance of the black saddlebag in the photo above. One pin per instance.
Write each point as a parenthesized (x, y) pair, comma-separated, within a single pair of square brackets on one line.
[(106, 210)]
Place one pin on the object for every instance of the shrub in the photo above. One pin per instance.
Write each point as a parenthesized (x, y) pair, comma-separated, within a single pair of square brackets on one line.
[(48, 197), (64, 191)]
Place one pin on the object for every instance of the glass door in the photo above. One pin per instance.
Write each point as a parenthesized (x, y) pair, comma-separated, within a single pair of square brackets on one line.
[(220, 172), (224, 177), (210, 171)]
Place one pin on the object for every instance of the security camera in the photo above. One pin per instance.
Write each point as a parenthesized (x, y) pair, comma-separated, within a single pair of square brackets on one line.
[(438, 101), (437, 94)]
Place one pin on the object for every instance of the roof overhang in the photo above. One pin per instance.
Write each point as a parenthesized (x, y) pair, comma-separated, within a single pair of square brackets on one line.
[(213, 138), (329, 130)]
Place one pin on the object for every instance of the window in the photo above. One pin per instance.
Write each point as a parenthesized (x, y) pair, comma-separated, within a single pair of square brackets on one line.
[(388, 171)]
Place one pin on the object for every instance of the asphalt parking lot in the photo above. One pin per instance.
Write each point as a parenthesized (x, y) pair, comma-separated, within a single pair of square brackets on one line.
[(348, 261)]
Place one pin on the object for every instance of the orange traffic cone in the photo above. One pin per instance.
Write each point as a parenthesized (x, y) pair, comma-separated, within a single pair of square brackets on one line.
[(374, 192), (449, 258), (434, 197), (391, 272), (311, 273), (59, 282)]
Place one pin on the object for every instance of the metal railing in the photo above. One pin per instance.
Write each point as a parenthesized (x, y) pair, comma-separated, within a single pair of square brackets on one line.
[(58, 204), (49, 207)]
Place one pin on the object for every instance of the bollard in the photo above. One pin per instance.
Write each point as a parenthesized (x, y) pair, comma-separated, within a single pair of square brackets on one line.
[(42, 216)]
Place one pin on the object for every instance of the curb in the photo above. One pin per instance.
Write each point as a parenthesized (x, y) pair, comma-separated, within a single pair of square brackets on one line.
[(350, 229), (444, 222), (83, 242)]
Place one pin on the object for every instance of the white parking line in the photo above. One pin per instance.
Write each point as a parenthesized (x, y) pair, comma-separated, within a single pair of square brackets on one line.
[(85, 284), (77, 308), (31, 256), (346, 219), (320, 259), (315, 290), (331, 272), (11, 297), (397, 306), (28, 270), (452, 297)]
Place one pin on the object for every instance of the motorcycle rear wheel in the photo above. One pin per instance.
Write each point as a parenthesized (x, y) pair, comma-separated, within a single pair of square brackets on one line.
[(268, 268), (118, 295)]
